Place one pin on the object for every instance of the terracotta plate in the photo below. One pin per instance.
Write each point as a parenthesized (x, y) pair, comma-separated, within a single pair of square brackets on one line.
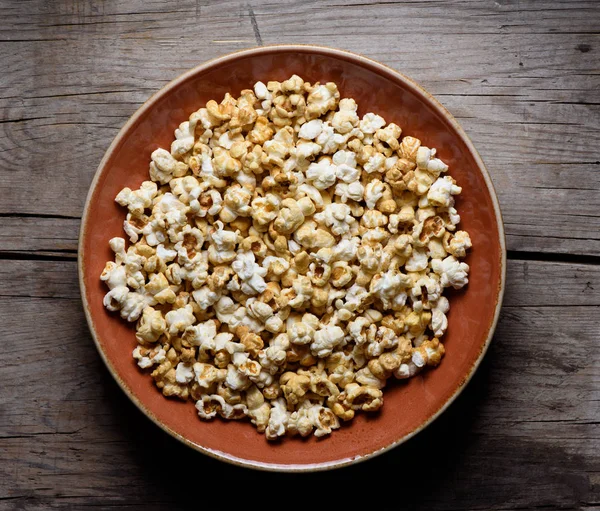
[(409, 406)]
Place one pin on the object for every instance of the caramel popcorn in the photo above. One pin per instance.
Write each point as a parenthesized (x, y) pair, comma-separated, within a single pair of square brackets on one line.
[(287, 259)]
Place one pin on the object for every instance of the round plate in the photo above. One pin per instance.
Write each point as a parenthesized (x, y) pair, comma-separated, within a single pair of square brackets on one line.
[(409, 405)]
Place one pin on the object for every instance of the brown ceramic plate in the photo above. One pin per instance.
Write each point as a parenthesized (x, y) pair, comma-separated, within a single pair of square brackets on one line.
[(409, 406)]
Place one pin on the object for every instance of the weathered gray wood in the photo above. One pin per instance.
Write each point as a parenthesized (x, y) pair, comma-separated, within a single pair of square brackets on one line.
[(522, 77), (524, 432), (34, 235)]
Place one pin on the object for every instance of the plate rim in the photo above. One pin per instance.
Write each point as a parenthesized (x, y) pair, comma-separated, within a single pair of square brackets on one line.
[(383, 70)]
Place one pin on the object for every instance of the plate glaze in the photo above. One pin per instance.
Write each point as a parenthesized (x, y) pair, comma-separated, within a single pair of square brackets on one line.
[(410, 405)]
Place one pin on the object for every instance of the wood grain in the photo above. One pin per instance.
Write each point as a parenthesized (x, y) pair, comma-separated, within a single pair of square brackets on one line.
[(523, 79)]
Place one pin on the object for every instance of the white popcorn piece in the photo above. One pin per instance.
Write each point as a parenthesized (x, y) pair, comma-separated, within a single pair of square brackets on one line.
[(322, 98), (346, 249), (375, 163), (390, 287), (265, 209), (250, 273), (210, 203), (311, 129), (201, 332), (407, 370), (337, 217), (346, 117), (301, 330), (184, 139), (373, 192), (312, 193), (207, 374), (439, 321), (354, 298), (222, 244), (426, 161), (418, 261), (346, 170), (179, 319), (138, 200), (133, 306), (115, 298), (276, 266), (451, 271), (322, 174), (441, 192), (325, 340), (371, 122), (184, 373), (205, 297), (277, 420), (114, 275), (236, 202), (329, 140), (235, 380), (151, 326), (350, 191), (458, 244), (164, 167)]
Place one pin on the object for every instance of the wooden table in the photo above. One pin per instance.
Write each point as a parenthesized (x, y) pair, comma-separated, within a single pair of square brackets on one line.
[(522, 77)]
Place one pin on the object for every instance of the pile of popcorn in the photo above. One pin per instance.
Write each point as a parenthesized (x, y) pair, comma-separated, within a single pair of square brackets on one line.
[(287, 258)]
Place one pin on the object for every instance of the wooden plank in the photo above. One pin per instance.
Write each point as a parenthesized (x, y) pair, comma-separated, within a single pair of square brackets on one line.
[(521, 77), (524, 432), (35, 234)]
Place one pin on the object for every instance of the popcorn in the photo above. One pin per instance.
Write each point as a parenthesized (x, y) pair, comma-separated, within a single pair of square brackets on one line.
[(278, 419), (390, 288), (290, 217), (337, 217), (151, 326), (451, 271), (311, 129), (361, 397), (326, 339), (287, 259), (265, 209), (457, 244), (345, 118), (439, 321), (139, 200), (373, 192), (236, 202), (350, 191), (250, 273), (441, 192), (417, 261), (371, 122), (322, 174), (164, 167), (329, 140), (147, 358), (321, 99), (179, 319), (375, 163), (386, 139), (184, 373)]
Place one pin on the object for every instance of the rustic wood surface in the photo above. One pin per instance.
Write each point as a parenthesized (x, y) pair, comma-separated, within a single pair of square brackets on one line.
[(522, 77)]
